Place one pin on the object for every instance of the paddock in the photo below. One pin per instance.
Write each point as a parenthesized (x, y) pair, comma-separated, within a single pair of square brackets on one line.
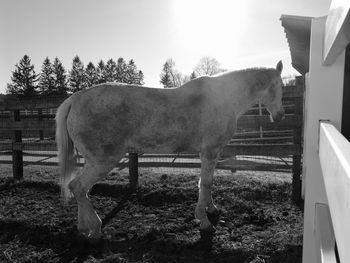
[(156, 223)]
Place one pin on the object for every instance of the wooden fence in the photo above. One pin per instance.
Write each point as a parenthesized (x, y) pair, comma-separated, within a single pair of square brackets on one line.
[(21, 120)]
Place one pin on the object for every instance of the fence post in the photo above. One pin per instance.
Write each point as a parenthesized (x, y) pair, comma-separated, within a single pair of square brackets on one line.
[(260, 114), (40, 118), (17, 153), (133, 171), (297, 140)]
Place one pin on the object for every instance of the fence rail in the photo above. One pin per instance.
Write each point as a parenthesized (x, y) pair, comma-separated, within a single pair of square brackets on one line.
[(332, 220), (273, 149), (24, 120), (246, 121)]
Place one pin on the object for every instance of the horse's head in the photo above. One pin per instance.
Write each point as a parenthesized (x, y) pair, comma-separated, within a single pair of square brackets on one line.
[(272, 95)]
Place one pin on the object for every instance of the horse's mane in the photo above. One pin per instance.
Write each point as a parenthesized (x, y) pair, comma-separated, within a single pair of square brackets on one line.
[(247, 70), (256, 78)]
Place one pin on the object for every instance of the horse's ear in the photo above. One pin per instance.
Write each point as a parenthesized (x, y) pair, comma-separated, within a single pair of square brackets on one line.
[(279, 67)]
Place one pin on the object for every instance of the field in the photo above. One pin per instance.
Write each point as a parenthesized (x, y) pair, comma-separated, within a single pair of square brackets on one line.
[(259, 223)]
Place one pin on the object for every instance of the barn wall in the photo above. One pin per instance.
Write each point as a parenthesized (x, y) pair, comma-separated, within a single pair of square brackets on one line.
[(324, 92)]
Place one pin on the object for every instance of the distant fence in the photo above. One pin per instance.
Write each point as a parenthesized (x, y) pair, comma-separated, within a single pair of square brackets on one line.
[(27, 129)]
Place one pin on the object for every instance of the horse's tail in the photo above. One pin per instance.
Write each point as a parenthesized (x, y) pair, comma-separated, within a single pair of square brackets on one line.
[(66, 156)]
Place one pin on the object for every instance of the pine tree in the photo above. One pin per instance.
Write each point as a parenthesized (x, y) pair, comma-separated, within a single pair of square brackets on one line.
[(46, 81), (77, 76), (110, 71), (99, 71), (59, 78), (91, 76), (193, 75), (117, 72), (133, 75), (166, 77), (23, 79), (140, 79), (121, 71), (131, 72)]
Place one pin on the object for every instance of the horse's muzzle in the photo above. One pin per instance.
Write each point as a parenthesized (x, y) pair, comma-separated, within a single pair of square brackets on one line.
[(278, 116)]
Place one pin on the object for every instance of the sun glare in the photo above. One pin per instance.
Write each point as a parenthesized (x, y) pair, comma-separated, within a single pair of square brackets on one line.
[(208, 27)]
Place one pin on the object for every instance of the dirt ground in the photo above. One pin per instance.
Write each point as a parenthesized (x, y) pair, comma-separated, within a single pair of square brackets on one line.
[(258, 224)]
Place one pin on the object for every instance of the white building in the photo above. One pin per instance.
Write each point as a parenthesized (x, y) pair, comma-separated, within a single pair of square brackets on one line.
[(320, 50)]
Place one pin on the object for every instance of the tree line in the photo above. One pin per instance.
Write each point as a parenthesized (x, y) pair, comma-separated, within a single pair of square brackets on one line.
[(53, 78), (170, 77)]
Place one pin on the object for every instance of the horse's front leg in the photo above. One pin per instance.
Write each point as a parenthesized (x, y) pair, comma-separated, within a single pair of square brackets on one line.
[(205, 202)]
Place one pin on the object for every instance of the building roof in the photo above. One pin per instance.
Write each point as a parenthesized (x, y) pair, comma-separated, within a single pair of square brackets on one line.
[(298, 29)]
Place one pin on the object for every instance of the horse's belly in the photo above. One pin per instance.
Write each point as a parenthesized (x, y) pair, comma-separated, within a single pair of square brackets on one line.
[(164, 144)]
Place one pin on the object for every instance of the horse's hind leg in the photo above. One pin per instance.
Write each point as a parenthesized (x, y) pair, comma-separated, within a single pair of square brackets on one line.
[(89, 223)]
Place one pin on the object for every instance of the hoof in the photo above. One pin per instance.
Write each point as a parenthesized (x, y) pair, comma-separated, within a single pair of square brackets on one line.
[(82, 240), (207, 233), (94, 240), (94, 237), (214, 217), (97, 245), (206, 239)]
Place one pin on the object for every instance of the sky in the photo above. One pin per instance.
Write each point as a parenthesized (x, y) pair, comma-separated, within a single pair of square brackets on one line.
[(238, 33)]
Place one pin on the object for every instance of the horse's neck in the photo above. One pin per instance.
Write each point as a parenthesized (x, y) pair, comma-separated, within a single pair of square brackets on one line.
[(244, 90), (246, 101)]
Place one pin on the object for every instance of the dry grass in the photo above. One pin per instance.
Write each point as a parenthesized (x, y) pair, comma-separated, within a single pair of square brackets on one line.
[(259, 223)]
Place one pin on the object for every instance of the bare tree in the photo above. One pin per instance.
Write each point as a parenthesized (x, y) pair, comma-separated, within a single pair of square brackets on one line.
[(171, 77), (180, 79), (208, 66), (167, 76), (289, 80)]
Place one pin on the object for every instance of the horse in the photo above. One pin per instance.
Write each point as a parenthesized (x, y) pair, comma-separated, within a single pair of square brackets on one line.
[(106, 121)]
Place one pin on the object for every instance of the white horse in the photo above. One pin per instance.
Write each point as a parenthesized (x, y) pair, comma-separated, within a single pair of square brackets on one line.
[(105, 122)]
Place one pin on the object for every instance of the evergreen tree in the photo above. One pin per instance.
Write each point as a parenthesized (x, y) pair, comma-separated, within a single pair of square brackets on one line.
[(193, 75), (23, 79), (99, 71), (166, 76), (77, 76), (59, 78), (10, 89), (140, 79), (110, 71), (46, 81), (91, 76), (121, 71), (133, 75), (115, 72)]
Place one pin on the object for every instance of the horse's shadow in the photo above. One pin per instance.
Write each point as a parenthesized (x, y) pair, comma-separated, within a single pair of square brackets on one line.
[(119, 191), (71, 246)]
